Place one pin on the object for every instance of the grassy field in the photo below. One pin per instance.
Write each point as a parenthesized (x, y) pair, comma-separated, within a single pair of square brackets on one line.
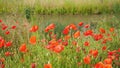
[(59, 34), (60, 7), (27, 46)]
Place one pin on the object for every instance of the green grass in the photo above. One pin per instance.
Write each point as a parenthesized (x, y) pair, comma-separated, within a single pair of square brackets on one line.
[(61, 7), (40, 55)]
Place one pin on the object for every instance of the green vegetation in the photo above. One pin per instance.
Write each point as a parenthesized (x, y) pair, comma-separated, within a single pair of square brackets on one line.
[(68, 58), (60, 7), (59, 34)]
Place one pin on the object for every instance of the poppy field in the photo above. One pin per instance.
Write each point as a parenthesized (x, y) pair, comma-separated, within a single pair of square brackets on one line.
[(74, 45)]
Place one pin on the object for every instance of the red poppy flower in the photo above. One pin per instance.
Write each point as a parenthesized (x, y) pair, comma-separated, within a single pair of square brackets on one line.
[(34, 28), (65, 31), (99, 65), (111, 29), (8, 44), (0, 38), (2, 65), (87, 60), (0, 20), (2, 42), (7, 32), (48, 65), (86, 43), (108, 66), (110, 53), (95, 53), (23, 48), (73, 26), (4, 27), (33, 65), (104, 48), (32, 40), (108, 61), (58, 48), (7, 53), (102, 30), (66, 37), (97, 36), (119, 50), (49, 27), (80, 24), (65, 43), (76, 34), (13, 27), (53, 43), (88, 32), (87, 26)]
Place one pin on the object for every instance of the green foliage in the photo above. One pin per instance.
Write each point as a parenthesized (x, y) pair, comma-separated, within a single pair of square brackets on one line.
[(28, 14), (61, 7), (69, 58)]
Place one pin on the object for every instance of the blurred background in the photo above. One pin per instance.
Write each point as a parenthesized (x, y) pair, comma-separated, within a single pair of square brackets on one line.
[(60, 7)]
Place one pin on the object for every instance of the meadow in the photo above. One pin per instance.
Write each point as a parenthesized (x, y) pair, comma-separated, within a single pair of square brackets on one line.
[(59, 34), (60, 7), (60, 42)]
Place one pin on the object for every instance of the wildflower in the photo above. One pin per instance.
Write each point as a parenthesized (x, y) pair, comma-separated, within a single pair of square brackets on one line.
[(80, 24), (2, 66), (87, 26), (67, 37), (49, 27), (33, 65), (111, 30), (0, 20), (87, 60), (86, 43), (13, 27), (65, 31), (73, 26), (23, 48), (102, 30), (2, 42), (48, 65), (4, 27), (65, 43), (7, 32), (76, 34), (34, 28), (32, 40), (88, 33), (108, 61), (7, 53), (97, 36), (95, 53), (8, 44), (108, 66), (104, 48), (99, 65), (58, 48)]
